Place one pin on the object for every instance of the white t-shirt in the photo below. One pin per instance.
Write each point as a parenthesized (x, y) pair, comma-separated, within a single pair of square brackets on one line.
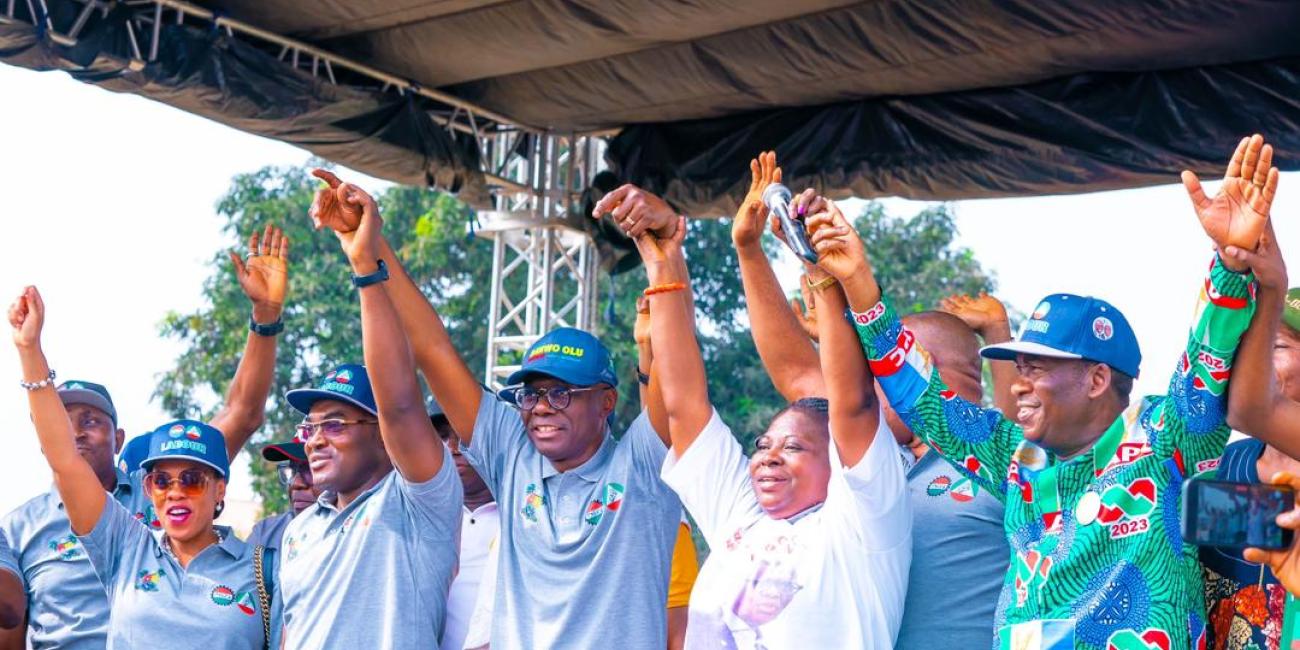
[(478, 534), (832, 577)]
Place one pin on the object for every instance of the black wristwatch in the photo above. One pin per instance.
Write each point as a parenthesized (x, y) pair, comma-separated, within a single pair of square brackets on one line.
[(378, 276), (269, 329)]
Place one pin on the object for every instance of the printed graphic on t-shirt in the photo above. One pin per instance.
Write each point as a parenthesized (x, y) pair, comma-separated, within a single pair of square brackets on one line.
[(147, 580), (534, 502), (613, 499), (961, 490), (149, 517), (770, 581), (68, 548)]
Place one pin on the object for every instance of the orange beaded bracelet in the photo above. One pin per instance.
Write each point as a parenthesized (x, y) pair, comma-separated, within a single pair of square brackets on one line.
[(663, 288)]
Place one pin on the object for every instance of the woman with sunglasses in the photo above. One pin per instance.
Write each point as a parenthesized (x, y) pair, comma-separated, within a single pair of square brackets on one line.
[(195, 587)]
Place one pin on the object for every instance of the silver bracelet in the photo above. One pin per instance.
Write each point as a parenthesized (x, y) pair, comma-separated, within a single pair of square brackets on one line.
[(48, 381)]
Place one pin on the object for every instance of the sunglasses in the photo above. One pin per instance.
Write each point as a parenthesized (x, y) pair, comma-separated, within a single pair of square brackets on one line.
[(192, 482), (286, 470), (329, 428), (559, 397)]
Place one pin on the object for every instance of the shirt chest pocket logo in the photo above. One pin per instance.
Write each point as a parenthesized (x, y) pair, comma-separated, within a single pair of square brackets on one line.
[(68, 548), (149, 580), (612, 501), (534, 502)]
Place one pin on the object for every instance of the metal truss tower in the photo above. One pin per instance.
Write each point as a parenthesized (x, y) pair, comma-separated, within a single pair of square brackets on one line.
[(543, 267)]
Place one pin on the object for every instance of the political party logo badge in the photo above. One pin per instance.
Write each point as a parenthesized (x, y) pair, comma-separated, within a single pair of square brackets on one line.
[(533, 504), (344, 377), (67, 548), (76, 385), (223, 595), (613, 500), (963, 490), (149, 517), (147, 580), (1125, 509), (938, 486), (192, 432), (1149, 639), (1040, 312), (176, 430), (245, 603), (1102, 328)]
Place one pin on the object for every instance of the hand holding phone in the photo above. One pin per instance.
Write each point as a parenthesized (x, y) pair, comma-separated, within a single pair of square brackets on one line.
[(1235, 515)]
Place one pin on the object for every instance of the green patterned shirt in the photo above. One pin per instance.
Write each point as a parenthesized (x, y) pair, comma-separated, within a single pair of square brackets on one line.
[(1097, 556)]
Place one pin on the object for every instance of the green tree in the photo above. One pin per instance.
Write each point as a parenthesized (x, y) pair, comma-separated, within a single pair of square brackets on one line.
[(916, 260)]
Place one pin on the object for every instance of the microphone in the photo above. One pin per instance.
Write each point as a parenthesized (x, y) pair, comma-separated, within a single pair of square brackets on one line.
[(777, 199)]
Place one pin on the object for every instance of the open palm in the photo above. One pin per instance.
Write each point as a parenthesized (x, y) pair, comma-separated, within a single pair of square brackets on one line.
[(747, 228), (264, 277), (1236, 216)]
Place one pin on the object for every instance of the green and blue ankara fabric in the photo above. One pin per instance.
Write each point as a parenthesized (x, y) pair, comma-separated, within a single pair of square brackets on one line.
[(1097, 557)]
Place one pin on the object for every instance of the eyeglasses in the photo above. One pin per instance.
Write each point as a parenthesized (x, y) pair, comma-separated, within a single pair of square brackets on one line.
[(191, 481), (286, 470), (559, 397), (330, 428)]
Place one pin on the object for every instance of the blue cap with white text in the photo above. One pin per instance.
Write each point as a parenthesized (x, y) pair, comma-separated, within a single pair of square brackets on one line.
[(1066, 326), (188, 440), (570, 355), (348, 383)]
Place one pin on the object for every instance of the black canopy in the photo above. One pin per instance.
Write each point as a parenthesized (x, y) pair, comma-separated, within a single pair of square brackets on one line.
[(919, 98)]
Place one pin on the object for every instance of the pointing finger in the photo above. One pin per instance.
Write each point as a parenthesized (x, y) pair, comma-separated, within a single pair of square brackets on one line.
[(327, 176)]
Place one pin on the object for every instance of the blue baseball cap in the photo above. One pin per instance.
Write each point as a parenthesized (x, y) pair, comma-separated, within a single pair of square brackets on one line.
[(76, 391), (347, 383), (1066, 326), (188, 440), (570, 355), (135, 451)]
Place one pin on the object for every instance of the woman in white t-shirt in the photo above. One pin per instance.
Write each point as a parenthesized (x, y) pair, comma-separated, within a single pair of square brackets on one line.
[(810, 537)]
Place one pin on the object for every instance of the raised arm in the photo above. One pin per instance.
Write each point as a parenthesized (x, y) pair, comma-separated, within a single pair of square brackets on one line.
[(854, 413), (988, 317), (788, 356), (409, 436), (672, 335), (650, 390), (82, 493), (339, 207), (979, 442), (265, 280), (1256, 405)]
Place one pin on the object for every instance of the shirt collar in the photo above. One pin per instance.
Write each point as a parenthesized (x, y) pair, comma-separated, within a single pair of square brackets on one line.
[(592, 469), (227, 542), (124, 487), (490, 506), (328, 499)]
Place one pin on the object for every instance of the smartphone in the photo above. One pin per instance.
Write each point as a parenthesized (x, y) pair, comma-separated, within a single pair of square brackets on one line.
[(1235, 515)]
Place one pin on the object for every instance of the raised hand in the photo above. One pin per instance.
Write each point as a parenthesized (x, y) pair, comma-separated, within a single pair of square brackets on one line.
[(840, 251), (637, 212), (362, 246), (805, 310), (657, 253), (747, 228), (27, 317), (264, 277), (1237, 214), (978, 312), (337, 207)]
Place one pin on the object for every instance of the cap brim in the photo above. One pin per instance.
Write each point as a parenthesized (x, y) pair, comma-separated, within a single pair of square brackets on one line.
[(144, 464), (282, 451), (89, 398), (301, 399), (1009, 350)]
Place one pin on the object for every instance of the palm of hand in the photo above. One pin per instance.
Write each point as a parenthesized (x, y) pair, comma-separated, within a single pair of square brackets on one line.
[(334, 214), (976, 312), (1230, 219), (266, 279), (748, 225)]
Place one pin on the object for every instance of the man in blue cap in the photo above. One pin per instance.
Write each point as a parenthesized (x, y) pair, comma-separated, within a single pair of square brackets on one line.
[(67, 607), (1091, 485), (587, 526), (369, 564)]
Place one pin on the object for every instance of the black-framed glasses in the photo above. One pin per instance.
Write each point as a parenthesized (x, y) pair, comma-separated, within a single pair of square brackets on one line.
[(559, 397), (286, 470), (191, 481), (329, 428)]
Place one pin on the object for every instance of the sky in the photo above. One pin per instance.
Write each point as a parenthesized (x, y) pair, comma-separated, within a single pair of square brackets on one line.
[(110, 212)]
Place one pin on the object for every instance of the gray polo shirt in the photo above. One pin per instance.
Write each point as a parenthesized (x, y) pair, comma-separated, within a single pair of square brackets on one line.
[(156, 603), (374, 574), (270, 531), (959, 558), (585, 554), (66, 604)]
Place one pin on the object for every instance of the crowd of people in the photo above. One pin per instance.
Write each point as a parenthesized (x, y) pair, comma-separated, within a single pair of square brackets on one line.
[(889, 505)]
